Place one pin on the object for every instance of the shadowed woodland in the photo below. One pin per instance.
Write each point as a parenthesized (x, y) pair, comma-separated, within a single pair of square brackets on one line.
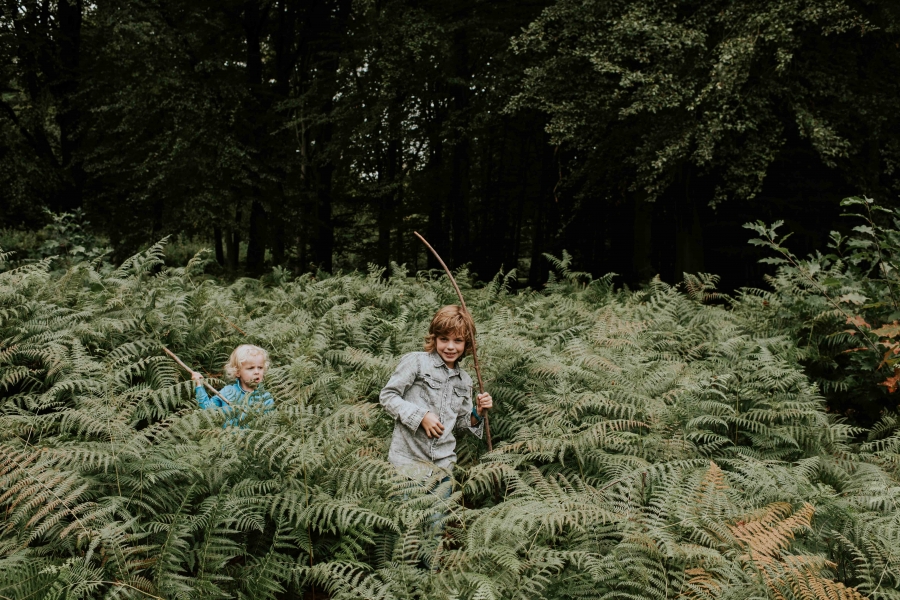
[(639, 135)]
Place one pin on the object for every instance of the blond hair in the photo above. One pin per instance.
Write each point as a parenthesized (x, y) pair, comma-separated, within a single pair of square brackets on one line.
[(240, 354), (451, 320)]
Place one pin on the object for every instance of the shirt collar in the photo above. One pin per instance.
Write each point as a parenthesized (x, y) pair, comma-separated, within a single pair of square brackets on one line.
[(438, 362), (241, 390)]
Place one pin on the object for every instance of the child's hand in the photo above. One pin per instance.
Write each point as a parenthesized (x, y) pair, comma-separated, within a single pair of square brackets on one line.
[(197, 377), (432, 425), (485, 402)]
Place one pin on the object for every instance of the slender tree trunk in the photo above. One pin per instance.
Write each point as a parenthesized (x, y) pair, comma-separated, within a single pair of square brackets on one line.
[(276, 233), (643, 238), (256, 246), (688, 234), (329, 25), (384, 221), (437, 233), (322, 241), (287, 48), (512, 259), (65, 88), (489, 228), (234, 243), (220, 250), (458, 203), (549, 174), (387, 203), (399, 254), (256, 235), (458, 200), (536, 270)]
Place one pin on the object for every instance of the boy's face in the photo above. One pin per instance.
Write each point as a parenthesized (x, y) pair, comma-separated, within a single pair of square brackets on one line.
[(252, 370), (450, 346)]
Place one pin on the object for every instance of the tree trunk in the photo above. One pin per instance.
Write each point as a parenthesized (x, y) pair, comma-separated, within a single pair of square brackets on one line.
[(458, 203), (458, 197), (234, 243), (688, 239), (546, 189), (436, 231), (69, 20), (536, 270), (399, 254), (328, 25), (384, 220), (256, 240), (387, 203), (287, 48), (256, 235), (489, 229), (220, 250), (276, 234), (322, 240), (643, 238)]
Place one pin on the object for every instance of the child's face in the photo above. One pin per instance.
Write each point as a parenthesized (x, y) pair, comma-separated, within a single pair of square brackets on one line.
[(450, 346), (252, 370)]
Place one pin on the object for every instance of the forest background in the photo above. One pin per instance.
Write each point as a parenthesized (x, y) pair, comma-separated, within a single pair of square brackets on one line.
[(639, 136)]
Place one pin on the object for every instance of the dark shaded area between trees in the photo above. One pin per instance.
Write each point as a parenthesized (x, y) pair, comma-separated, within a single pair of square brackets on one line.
[(639, 136)]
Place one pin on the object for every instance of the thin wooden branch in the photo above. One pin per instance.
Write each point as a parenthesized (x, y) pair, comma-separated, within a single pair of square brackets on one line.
[(462, 303), (190, 370)]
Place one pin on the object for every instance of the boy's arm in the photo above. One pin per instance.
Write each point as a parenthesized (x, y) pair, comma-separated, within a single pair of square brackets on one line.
[(391, 397), (464, 418)]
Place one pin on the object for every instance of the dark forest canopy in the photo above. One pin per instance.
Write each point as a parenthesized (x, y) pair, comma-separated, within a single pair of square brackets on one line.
[(639, 135)]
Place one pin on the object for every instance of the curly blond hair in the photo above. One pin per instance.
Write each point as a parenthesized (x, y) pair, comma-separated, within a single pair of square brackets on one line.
[(451, 320), (240, 354)]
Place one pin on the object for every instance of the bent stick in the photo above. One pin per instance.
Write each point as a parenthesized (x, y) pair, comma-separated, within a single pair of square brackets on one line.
[(462, 302), (190, 370)]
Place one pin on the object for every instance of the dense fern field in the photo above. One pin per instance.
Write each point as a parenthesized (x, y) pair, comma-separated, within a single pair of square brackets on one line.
[(649, 444)]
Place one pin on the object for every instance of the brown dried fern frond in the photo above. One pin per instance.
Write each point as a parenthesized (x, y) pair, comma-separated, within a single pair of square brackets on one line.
[(770, 532), (767, 536)]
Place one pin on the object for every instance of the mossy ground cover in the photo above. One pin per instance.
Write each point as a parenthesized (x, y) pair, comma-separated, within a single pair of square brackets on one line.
[(648, 444)]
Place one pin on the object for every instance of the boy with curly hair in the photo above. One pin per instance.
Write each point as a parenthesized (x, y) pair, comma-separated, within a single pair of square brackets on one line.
[(429, 396)]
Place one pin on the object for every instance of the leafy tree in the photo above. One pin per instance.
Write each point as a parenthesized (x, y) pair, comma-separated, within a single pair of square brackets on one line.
[(841, 307), (696, 100)]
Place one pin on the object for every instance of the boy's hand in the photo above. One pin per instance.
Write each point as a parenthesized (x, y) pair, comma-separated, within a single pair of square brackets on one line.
[(485, 402), (197, 377), (432, 425)]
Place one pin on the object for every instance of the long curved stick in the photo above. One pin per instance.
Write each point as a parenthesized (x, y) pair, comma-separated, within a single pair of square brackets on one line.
[(190, 370), (462, 303)]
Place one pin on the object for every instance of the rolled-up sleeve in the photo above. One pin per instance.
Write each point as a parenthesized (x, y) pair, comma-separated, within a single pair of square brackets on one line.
[(391, 397), (464, 417)]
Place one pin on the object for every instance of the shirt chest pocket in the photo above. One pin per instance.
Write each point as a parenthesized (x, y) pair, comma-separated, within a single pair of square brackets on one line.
[(432, 383), (431, 390), (462, 397)]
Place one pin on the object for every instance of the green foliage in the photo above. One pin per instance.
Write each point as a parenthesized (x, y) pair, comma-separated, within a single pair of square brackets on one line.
[(645, 90), (647, 445), (841, 307)]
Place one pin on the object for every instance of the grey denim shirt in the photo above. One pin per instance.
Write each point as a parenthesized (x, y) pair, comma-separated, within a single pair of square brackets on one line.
[(423, 383)]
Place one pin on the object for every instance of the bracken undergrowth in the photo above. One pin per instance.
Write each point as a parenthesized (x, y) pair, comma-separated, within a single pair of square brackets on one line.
[(656, 444)]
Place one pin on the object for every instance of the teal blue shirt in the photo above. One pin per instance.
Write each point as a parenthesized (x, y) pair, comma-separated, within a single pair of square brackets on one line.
[(240, 400)]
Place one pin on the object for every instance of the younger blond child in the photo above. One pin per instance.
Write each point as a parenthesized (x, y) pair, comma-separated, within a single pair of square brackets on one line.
[(247, 365)]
